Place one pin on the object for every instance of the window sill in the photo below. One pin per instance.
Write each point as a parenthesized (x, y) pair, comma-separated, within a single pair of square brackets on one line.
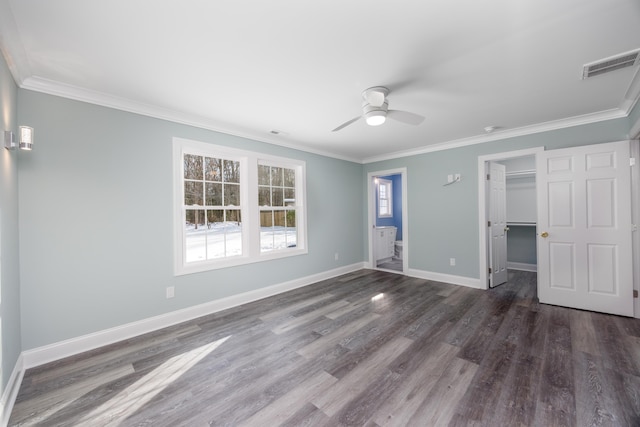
[(199, 267)]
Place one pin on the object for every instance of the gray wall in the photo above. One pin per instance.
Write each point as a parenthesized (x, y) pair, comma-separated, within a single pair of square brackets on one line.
[(96, 220), (443, 221), (9, 263)]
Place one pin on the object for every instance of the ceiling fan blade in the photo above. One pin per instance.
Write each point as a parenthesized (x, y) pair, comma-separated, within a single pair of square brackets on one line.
[(345, 124), (405, 117)]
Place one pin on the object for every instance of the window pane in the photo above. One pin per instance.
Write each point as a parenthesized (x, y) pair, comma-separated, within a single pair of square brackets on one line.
[(276, 176), (215, 217), (192, 166), (277, 197), (266, 219), (233, 233), (231, 171), (213, 195), (231, 195), (289, 177), (195, 238), (279, 230), (264, 196), (215, 233), (384, 207), (291, 231), (292, 238), (291, 218), (289, 197), (213, 169), (279, 219), (193, 193), (264, 175), (266, 231)]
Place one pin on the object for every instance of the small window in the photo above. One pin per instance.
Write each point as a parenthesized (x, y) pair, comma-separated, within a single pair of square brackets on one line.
[(235, 207), (385, 199)]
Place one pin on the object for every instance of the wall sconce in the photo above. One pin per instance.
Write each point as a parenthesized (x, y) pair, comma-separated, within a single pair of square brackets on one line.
[(26, 139)]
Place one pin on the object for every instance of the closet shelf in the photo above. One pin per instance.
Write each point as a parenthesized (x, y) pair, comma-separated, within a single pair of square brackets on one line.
[(521, 174), (521, 224)]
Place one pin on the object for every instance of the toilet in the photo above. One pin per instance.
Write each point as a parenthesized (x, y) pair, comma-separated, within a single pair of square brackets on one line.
[(398, 249)]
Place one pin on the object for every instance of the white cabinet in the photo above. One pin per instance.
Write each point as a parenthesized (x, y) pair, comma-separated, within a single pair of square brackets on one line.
[(384, 242)]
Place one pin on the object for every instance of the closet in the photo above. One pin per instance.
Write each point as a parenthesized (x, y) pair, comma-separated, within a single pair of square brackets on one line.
[(521, 213)]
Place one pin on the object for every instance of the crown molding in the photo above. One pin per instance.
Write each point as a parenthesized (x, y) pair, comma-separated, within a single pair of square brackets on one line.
[(63, 90), (11, 45), (615, 113), (51, 87)]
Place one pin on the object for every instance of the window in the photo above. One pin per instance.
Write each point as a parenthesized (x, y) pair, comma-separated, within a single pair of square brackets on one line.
[(277, 201), (234, 207), (213, 226), (385, 200)]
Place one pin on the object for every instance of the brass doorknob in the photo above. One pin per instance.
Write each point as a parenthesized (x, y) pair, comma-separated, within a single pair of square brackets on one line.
[(544, 234)]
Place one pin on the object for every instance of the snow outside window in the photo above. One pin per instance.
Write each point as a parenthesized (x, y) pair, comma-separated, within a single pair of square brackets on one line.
[(234, 207)]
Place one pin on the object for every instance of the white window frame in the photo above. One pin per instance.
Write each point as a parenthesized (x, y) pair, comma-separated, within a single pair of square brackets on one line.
[(250, 211), (388, 184)]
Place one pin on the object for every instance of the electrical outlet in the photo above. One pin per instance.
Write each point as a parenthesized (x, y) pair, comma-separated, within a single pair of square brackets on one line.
[(170, 291), (458, 177), (337, 256), (452, 261)]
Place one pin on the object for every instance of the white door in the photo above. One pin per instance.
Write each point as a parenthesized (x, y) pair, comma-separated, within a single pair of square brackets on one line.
[(497, 224), (584, 228)]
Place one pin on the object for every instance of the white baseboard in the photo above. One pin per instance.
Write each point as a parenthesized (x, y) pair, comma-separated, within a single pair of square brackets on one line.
[(11, 391), (447, 278), (70, 347), (522, 266)]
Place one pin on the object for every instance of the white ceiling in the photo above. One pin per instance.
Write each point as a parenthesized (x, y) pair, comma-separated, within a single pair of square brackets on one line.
[(248, 67)]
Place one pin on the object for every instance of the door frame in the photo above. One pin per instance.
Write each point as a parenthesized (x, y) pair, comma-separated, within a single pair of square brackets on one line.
[(371, 215), (483, 204)]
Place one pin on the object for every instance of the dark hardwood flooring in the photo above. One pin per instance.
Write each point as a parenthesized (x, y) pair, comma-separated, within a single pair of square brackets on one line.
[(367, 349)]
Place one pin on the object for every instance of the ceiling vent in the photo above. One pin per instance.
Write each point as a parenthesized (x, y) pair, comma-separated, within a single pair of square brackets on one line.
[(623, 60)]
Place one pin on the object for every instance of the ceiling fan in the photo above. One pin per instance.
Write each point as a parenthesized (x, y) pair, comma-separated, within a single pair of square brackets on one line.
[(375, 110)]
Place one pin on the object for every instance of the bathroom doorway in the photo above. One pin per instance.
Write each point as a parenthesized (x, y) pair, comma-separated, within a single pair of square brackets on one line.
[(388, 246)]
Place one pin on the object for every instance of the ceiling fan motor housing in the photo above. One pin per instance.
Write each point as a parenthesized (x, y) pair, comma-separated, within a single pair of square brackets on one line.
[(374, 115)]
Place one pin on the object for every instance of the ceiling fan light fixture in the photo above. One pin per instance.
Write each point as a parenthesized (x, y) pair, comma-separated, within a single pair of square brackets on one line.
[(375, 117)]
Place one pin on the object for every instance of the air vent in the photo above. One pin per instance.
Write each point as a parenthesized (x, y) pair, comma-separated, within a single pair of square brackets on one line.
[(627, 59)]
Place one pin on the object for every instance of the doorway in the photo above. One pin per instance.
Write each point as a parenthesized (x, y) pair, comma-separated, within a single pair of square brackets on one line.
[(387, 220), (518, 225), (583, 225)]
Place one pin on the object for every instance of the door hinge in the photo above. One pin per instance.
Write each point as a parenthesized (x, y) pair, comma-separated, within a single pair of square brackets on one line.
[(632, 161), (634, 227), (489, 270), (488, 177), (488, 223), (635, 293)]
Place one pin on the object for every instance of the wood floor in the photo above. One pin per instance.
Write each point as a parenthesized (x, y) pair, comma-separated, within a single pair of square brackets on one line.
[(366, 349)]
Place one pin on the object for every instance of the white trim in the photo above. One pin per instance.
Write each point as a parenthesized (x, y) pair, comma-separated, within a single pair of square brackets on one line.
[(371, 216), (49, 353), (11, 391), (634, 147), (510, 133), (522, 266), (469, 282), (77, 93), (482, 206), (63, 90)]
